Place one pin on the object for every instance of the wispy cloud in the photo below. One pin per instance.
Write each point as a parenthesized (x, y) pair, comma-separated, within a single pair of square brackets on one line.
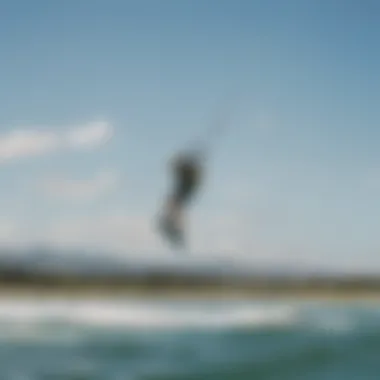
[(87, 189), (28, 142), (24, 143), (90, 135)]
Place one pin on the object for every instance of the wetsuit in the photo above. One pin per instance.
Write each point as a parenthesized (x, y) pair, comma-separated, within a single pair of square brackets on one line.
[(187, 175)]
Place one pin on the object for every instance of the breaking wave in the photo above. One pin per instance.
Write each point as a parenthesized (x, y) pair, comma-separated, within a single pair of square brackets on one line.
[(33, 319), (132, 316)]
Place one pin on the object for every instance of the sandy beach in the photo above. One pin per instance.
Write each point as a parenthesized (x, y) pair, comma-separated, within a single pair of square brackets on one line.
[(88, 292)]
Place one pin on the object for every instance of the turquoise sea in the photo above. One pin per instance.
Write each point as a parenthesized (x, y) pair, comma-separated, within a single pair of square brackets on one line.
[(132, 339)]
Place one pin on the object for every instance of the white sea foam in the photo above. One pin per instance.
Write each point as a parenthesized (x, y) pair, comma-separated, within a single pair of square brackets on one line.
[(71, 320), (26, 313)]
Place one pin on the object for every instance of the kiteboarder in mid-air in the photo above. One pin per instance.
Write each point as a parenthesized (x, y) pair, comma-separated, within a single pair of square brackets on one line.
[(188, 170), (187, 173)]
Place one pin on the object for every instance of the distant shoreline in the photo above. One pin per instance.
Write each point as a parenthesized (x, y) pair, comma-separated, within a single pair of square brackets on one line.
[(201, 292)]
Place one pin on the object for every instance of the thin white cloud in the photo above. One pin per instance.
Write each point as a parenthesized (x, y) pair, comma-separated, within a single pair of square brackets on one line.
[(90, 135), (87, 189), (23, 142)]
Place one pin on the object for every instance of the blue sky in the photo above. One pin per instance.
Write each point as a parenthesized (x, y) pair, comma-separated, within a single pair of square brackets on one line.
[(98, 94)]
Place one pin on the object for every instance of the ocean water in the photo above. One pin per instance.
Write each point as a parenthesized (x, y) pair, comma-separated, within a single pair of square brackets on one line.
[(132, 339)]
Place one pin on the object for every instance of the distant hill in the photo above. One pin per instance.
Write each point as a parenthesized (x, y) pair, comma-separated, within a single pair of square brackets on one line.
[(73, 269), (45, 260)]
